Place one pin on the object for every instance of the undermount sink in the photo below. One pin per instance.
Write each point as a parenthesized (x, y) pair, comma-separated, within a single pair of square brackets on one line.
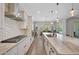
[(14, 39)]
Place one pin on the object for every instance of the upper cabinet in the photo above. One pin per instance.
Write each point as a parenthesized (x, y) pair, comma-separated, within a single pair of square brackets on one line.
[(13, 10)]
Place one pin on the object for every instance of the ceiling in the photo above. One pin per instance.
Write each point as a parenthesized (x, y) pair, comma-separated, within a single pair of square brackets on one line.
[(42, 11)]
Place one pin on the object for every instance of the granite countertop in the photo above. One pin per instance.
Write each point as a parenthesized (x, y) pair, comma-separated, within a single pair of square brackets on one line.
[(64, 45), (5, 47)]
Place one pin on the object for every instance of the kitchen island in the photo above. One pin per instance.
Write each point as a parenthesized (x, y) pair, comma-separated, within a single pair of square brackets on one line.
[(60, 45)]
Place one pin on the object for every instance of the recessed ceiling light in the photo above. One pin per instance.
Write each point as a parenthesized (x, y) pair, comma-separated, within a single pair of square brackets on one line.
[(51, 11), (57, 3)]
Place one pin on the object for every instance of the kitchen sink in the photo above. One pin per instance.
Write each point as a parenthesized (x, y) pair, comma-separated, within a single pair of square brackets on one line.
[(14, 39)]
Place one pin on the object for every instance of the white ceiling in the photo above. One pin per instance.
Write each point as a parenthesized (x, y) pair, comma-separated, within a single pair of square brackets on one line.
[(45, 10)]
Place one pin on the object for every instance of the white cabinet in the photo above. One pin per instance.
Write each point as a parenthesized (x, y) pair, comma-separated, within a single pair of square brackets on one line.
[(12, 10), (13, 51), (21, 47), (46, 45), (50, 50), (24, 45), (28, 43)]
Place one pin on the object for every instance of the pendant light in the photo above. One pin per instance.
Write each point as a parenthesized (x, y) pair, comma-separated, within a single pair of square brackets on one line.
[(57, 19), (72, 11)]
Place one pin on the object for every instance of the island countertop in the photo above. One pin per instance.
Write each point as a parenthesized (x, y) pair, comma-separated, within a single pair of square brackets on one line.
[(63, 45)]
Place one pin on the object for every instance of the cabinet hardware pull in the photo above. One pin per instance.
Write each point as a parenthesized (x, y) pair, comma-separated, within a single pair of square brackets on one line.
[(52, 50)]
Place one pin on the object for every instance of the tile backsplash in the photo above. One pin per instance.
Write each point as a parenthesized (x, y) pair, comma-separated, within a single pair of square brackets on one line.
[(11, 28)]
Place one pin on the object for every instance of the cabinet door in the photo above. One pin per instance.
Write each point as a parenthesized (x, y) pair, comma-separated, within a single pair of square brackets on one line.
[(27, 44), (13, 51), (9, 8), (52, 50), (24, 46), (21, 48), (29, 41), (46, 46)]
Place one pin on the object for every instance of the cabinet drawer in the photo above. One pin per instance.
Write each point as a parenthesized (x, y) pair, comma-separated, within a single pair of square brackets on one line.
[(22, 46), (52, 50), (13, 51)]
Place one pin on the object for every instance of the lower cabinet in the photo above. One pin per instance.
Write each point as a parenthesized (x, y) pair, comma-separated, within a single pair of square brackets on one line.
[(21, 48), (50, 50), (13, 51), (24, 46), (29, 42)]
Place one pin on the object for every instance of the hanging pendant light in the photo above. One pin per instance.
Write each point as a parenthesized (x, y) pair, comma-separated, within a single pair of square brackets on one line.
[(72, 11), (57, 19)]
